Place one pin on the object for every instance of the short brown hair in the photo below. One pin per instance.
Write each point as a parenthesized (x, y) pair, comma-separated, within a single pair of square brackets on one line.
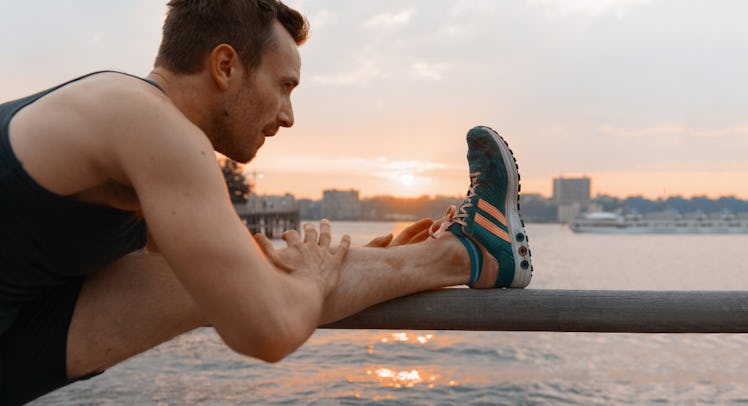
[(194, 27)]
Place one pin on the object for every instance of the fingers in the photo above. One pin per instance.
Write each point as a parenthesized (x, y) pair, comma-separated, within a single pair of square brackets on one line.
[(269, 250), (414, 233), (342, 248), (265, 245), (380, 242), (407, 235), (324, 233), (291, 237), (310, 234), (420, 237)]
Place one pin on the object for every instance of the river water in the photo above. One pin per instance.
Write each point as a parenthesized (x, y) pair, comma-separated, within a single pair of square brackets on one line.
[(439, 367)]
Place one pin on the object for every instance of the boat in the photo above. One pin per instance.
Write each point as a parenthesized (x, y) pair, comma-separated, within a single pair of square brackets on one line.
[(614, 223)]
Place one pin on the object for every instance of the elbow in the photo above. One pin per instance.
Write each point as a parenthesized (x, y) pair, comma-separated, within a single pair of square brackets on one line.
[(271, 352), (265, 346), (279, 330), (273, 356)]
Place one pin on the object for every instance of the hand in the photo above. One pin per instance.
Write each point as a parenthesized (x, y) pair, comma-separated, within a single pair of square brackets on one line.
[(311, 258), (414, 233)]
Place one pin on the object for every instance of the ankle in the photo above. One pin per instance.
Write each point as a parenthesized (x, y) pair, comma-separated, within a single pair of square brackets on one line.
[(456, 257)]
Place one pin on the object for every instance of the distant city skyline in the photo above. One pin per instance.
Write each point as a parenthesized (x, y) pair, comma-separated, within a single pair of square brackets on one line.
[(547, 192), (646, 97), (570, 200)]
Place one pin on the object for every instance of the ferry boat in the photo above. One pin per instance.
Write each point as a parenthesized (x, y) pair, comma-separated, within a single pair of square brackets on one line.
[(613, 223)]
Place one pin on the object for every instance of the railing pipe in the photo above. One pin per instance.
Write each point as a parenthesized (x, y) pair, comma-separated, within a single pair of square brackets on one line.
[(598, 311)]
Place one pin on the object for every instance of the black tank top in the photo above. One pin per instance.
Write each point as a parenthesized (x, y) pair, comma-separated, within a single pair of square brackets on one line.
[(46, 239)]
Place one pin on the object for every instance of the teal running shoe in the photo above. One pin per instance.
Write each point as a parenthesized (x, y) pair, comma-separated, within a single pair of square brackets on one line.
[(488, 222)]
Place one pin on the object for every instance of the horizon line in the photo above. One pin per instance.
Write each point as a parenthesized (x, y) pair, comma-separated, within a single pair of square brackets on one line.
[(528, 193)]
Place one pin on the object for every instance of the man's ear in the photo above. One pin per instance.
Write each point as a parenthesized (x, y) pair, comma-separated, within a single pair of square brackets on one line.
[(224, 66)]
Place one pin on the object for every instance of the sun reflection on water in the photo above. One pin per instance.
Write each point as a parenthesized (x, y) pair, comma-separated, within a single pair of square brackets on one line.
[(404, 337), (400, 378), (406, 378), (403, 377)]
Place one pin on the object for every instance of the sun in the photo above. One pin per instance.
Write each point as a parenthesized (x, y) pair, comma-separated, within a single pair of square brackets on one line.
[(406, 179)]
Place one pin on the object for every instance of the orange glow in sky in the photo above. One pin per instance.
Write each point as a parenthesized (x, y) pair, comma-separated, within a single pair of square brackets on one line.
[(644, 97)]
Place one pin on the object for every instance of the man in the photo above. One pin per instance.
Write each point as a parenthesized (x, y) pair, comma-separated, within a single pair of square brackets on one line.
[(86, 165)]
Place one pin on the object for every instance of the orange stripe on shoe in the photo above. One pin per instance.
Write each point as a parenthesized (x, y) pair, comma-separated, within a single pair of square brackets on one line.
[(493, 211), (491, 227), (489, 273)]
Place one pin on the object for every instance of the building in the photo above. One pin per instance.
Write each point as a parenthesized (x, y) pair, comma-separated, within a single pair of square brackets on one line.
[(572, 196), (340, 205), (285, 202), (309, 209), (571, 190)]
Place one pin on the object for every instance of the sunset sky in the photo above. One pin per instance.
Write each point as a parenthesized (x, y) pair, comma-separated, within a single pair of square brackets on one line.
[(644, 96)]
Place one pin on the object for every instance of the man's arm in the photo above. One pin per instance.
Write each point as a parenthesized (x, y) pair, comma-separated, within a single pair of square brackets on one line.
[(257, 310)]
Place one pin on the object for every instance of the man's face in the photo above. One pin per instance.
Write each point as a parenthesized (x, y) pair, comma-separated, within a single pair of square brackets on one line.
[(263, 104)]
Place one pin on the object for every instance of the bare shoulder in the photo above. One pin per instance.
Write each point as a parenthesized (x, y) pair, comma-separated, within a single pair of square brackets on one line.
[(115, 111), (136, 115), (152, 146), (143, 123), (81, 135)]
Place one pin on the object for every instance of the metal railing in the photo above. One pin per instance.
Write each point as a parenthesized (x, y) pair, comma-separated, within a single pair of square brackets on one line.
[(598, 311)]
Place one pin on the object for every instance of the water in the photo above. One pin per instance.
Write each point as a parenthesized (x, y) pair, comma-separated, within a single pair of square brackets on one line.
[(435, 367)]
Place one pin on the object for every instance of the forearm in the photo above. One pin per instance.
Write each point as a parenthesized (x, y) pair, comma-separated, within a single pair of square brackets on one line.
[(277, 319)]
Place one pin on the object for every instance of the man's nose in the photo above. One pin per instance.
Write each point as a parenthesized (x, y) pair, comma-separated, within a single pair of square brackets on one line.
[(285, 116)]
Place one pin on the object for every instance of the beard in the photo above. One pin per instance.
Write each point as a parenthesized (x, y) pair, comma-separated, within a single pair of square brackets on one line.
[(234, 140), (242, 152)]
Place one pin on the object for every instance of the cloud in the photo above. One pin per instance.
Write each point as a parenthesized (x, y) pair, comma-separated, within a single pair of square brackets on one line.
[(377, 166), (410, 166), (389, 19), (558, 9), (322, 18), (414, 175), (694, 166), (459, 30), (367, 70), (431, 71), (678, 131), (739, 132), (97, 38)]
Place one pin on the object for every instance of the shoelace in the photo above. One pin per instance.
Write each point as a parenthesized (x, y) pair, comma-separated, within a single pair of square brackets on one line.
[(455, 214)]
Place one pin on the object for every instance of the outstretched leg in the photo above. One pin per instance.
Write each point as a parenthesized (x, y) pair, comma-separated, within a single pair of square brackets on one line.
[(138, 303)]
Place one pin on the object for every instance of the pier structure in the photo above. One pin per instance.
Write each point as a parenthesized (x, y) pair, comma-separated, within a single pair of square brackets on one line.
[(269, 219), (594, 311)]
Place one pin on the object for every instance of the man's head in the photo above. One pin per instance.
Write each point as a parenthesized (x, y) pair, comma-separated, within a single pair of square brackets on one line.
[(193, 28), (245, 50)]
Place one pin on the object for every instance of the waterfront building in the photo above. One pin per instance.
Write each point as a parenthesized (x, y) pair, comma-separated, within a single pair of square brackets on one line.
[(572, 196), (571, 190), (340, 204), (309, 209)]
